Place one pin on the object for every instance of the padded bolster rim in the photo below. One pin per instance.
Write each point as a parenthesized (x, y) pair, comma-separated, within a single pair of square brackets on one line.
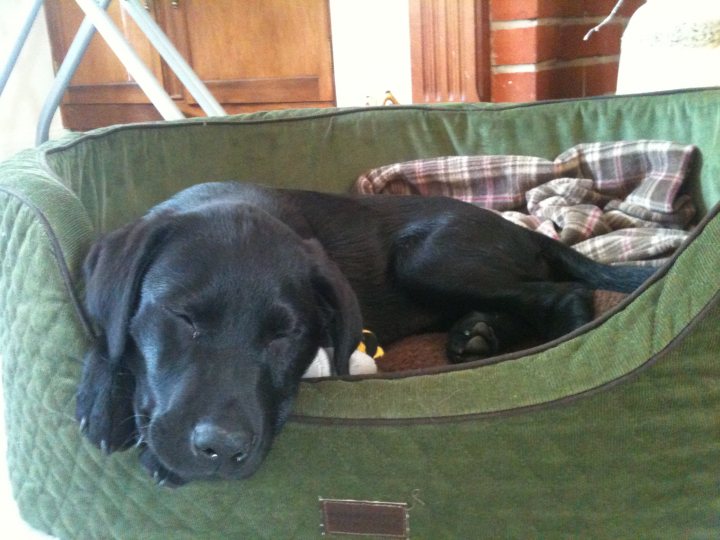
[(299, 115), (676, 342), (591, 358), (58, 256)]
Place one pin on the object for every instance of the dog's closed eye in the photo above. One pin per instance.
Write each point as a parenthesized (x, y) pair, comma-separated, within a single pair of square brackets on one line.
[(186, 320)]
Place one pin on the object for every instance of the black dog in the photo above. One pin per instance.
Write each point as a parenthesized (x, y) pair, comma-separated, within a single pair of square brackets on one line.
[(211, 307)]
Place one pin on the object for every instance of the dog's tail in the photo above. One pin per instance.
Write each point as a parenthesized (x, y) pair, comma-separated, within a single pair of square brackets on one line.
[(573, 265)]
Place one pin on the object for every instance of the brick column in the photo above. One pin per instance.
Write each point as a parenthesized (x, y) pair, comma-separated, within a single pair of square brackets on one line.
[(538, 52)]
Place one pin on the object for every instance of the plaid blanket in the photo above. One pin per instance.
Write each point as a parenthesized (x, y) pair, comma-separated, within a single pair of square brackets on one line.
[(616, 202)]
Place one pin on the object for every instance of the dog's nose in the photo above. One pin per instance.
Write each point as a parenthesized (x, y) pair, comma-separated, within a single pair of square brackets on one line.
[(216, 443)]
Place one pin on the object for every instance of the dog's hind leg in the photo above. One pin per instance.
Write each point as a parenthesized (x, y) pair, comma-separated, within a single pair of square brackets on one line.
[(513, 290), (497, 321), (532, 312)]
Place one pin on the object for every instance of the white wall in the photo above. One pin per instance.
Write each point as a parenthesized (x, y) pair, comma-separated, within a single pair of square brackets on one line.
[(371, 51), (22, 99)]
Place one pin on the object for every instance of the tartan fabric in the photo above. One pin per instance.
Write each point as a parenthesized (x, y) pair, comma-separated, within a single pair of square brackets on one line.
[(616, 202)]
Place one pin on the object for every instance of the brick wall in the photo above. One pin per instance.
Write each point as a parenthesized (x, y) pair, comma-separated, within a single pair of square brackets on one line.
[(537, 49)]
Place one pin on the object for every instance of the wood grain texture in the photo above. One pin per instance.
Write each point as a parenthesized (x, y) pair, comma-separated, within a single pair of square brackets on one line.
[(257, 51), (445, 48)]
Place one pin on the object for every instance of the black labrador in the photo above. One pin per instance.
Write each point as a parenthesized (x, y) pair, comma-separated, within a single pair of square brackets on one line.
[(210, 308)]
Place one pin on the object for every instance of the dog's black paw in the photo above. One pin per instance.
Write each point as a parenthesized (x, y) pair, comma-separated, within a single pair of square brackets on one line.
[(472, 338), (104, 407), (160, 475)]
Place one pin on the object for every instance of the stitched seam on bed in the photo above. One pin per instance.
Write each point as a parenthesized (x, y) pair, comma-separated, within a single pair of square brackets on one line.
[(204, 122)]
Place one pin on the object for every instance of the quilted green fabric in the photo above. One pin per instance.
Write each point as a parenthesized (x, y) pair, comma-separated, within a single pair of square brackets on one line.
[(610, 433)]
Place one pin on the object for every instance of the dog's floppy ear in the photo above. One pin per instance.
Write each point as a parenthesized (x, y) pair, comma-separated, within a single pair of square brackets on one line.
[(113, 272), (341, 311)]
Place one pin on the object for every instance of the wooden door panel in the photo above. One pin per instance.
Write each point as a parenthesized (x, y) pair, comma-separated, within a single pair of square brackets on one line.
[(100, 77), (257, 51)]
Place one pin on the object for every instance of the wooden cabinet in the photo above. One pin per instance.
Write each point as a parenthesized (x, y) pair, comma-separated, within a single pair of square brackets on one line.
[(252, 54)]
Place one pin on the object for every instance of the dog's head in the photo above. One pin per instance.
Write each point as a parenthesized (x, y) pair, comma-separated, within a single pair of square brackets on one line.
[(207, 321)]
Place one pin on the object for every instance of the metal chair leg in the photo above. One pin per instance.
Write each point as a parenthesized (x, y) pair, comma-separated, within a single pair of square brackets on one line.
[(96, 18), (175, 61), (69, 66), (130, 59)]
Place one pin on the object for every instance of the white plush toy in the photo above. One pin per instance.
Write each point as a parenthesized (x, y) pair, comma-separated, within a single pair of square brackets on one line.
[(361, 363)]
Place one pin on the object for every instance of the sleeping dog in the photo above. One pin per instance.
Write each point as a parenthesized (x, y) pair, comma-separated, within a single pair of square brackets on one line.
[(210, 308)]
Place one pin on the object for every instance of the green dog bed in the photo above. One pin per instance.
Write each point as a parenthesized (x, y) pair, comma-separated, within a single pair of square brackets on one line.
[(611, 432)]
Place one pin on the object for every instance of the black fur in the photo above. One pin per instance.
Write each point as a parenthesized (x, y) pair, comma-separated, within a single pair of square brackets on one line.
[(210, 308)]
